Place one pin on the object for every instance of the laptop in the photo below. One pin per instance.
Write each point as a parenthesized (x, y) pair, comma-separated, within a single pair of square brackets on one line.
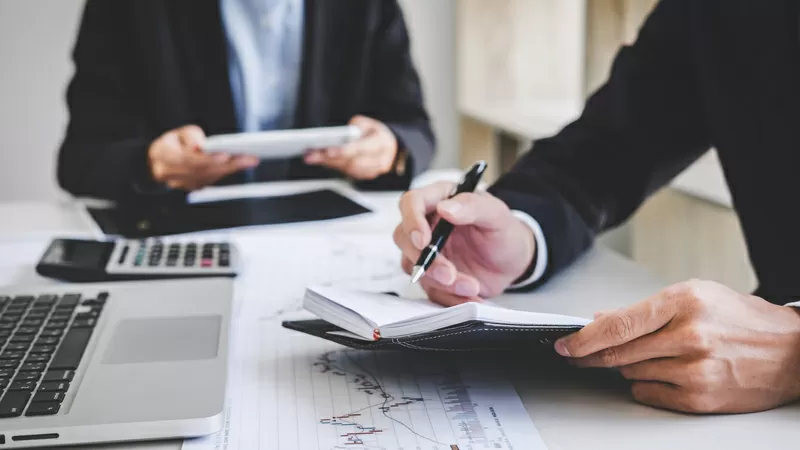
[(113, 362)]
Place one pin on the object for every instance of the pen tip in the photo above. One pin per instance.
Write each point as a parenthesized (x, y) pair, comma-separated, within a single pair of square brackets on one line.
[(417, 273)]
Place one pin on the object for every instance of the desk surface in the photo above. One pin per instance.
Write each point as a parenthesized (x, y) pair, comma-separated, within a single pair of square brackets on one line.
[(583, 410)]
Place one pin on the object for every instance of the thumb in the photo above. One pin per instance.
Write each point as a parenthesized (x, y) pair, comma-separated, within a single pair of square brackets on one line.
[(192, 137), (481, 210)]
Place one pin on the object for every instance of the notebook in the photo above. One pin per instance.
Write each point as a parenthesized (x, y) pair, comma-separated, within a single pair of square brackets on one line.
[(169, 219), (371, 320)]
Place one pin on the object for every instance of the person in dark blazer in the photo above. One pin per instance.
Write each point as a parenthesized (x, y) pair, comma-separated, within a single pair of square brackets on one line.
[(701, 74), (153, 78)]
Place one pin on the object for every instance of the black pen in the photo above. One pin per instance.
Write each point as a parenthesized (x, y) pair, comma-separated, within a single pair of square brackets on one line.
[(443, 229)]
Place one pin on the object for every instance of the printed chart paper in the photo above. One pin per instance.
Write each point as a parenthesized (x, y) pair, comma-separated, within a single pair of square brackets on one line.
[(292, 391)]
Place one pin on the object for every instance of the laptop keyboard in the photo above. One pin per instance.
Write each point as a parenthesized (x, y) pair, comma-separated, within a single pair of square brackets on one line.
[(42, 340)]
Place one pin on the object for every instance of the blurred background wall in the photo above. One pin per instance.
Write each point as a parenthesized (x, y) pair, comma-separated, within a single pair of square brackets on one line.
[(496, 74), (35, 41)]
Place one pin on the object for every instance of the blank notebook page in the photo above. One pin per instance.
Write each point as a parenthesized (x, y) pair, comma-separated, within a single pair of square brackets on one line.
[(381, 309)]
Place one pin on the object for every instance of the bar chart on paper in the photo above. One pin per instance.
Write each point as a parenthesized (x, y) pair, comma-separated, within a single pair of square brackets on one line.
[(315, 395)]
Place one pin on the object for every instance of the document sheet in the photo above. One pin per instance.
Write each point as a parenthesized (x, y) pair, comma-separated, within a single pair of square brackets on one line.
[(294, 392)]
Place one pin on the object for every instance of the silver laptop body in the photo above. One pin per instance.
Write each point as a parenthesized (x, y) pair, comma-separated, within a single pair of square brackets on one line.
[(155, 365)]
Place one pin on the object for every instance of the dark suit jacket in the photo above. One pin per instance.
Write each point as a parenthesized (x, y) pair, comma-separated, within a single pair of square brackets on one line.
[(702, 73), (147, 66)]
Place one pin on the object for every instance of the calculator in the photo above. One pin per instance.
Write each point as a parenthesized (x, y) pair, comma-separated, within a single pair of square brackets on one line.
[(80, 260)]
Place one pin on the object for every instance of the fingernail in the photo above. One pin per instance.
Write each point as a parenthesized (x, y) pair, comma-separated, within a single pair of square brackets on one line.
[(465, 289), (443, 275), (561, 348), (417, 240), (450, 207)]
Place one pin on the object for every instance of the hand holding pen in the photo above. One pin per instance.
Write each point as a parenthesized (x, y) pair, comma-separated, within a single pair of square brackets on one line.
[(467, 245)]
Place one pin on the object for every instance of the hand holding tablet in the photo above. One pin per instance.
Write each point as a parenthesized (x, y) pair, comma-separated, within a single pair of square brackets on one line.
[(281, 144)]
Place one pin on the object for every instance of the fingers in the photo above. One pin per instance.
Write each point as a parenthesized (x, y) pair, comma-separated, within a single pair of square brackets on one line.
[(364, 159), (442, 270), (177, 160), (665, 370), (445, 283), (660, 395), (648, 347), (676, 398), (445, 296), (415, 205), (480, 210), (618, 327), (192, 137), (365, 123)]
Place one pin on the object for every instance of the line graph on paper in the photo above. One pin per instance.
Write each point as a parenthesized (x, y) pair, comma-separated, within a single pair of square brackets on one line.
[(295, 392), (434, 409)]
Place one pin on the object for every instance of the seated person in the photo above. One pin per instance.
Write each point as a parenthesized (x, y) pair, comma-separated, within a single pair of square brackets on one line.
[(153, 78), (701, 74)]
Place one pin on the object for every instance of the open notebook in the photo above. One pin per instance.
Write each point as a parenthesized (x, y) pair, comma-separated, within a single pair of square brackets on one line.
[(378, 320)]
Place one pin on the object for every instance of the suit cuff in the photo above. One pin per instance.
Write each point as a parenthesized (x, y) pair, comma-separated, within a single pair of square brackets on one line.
[(540, 263)]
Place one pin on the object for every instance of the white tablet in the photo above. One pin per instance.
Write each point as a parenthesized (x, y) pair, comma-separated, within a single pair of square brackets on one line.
[(283, 143)]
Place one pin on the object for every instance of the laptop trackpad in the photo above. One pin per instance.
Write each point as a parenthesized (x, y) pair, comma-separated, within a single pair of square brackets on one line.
[(164, 339)]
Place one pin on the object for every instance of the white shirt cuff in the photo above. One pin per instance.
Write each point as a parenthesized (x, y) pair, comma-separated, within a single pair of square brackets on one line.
[(794, 304), (541, 249)]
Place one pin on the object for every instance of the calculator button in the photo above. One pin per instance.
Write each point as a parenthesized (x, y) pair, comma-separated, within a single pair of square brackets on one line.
[(123, 254)]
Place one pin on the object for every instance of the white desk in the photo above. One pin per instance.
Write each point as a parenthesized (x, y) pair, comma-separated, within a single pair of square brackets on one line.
[(583, 410)]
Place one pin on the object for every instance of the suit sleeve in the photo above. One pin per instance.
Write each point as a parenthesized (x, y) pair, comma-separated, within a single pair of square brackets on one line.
[(636, 133), (104, 152), (396, 97)]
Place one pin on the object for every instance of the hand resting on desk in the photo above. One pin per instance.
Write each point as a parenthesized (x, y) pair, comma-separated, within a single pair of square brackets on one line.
[(697, 346)]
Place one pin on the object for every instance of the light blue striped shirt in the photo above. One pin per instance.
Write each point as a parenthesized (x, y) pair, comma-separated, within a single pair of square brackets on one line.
[(265, 47)]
